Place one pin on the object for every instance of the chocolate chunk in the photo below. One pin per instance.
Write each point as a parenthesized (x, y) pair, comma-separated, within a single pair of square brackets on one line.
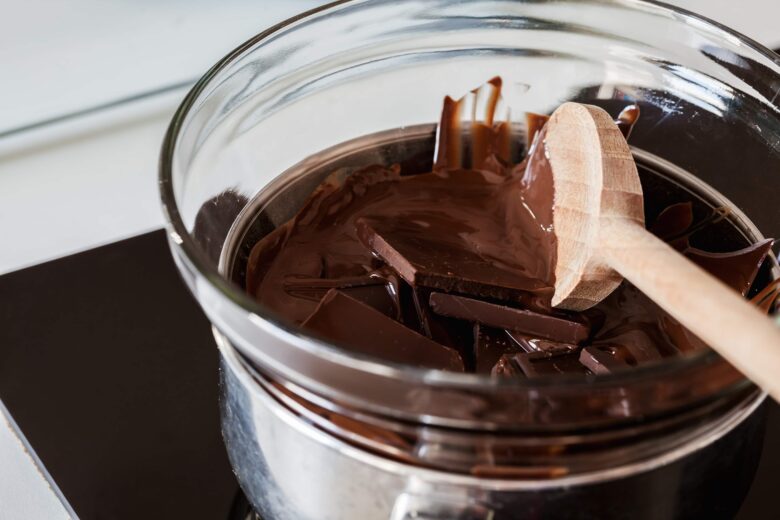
[(600, 361), (354, 325), (532, 344), (633, 344), (446, 331), (501, 316), (371, 290), (605, 358), (409, 314), (737, 269), (505, 367), (375, 296), (439, 260), (537, 364), (490, 345)]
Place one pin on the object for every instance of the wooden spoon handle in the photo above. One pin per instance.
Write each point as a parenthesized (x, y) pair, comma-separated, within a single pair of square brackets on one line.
[(718, 315)]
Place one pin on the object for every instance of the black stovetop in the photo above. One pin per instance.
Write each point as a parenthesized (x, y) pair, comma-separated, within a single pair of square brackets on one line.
[(110, 370)]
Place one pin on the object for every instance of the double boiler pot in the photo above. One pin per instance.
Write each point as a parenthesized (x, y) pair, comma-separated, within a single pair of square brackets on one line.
[(317, 432)]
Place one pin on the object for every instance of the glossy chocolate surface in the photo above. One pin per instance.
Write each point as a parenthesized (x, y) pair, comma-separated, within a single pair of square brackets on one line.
[(464, 255)]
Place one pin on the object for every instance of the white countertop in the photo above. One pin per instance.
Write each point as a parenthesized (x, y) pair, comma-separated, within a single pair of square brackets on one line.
[(91, 180)]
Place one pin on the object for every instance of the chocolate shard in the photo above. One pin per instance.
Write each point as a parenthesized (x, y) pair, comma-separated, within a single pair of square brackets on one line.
[(443, 261), (531, 323), (539, 364), (505, 367), (737, 269), (610, 357), (490, 344), (361, 328), (371, 289), (376, 297), (446, 331), (531, 344), (601, 361), (766, 298)]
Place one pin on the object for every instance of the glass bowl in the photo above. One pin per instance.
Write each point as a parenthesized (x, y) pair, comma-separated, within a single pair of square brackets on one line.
[(284, 104)]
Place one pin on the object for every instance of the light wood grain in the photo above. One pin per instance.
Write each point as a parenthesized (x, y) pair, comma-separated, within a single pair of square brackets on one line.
[(583, 195), (602, 238), (717, 314)]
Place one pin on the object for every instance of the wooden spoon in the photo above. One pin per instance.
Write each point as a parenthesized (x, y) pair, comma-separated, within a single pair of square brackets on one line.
[(598, 219)]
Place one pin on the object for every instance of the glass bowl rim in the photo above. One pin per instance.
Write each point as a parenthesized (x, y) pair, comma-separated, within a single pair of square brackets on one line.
[(181, 240)]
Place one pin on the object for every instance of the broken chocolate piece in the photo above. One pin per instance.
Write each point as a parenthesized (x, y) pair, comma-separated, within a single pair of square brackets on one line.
[(504, 317), (532, 344), (609, 357), (490, 344), (446, 331), (737, 269), (355, 325), (767, 297), (445, 261), (537, 364), (602, 359)]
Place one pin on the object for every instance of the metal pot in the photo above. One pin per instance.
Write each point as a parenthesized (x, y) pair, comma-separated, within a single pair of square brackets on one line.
[(292, 470)]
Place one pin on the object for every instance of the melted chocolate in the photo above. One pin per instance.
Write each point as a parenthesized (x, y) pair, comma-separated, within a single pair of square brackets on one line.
[(737, 269), (627, 119), (453, 268)]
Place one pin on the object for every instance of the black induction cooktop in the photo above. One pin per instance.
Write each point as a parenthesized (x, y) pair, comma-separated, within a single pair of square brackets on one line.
[(110, 370)]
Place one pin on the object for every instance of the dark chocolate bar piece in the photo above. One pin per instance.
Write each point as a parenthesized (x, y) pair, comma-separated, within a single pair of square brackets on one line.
[(490, 344), (445, 331), (439, 260), (737, 269), (370, 290), (605, 359), (505, 317), (531, 344), (361, 328), (538, 364)]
